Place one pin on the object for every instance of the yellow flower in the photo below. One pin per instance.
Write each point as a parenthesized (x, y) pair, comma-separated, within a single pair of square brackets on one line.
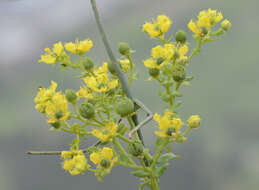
[(158, 27), (76, 163), (52, 57), (107, 132), (58, 49), (125, 65), (57, 108), (151, 30), (100, 82), (163, 55), (79, 47), (44, 95), (181, 51), (168, 125), (206, 19), (164, 23), (103, 158), (84, 92), (194, 121)]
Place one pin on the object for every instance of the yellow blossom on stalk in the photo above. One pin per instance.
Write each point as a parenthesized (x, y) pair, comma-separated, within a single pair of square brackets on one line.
[(44, 95), (51, 57), (158, 27), (79, 47), (125, 65), (161, 56), (104, 158), (57, 108), (75, 162), (100, 81), (181, 51), (107, 132), (206, 19), (168, 125), (84, 92)]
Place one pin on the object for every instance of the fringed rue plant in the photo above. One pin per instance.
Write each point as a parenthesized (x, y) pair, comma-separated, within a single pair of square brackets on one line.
[(103, 105)]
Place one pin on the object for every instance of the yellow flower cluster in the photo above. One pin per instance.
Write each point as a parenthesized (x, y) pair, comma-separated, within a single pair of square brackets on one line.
[(158, 27), (168, 125), (52, 103), (100, 81), (74, 161), (79, 47), (161, 56), (104, 158), (206, 19), (51, 57), (107, 132)]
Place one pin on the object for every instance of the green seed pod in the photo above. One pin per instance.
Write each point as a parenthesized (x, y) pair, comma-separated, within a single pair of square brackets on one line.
[(135, 148), (71, 96), (226, 25), (204, 31), (123, 48), (58, 114), (88, 63), (56, 125), (105, 163), (180, 36), (178, 73), (153, 72), (124, 107), (170, 130), (111, 68), (87, 110), (159, 61)]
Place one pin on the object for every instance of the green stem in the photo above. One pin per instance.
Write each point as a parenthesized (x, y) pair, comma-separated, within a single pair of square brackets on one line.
[(122, 151), (158, 153), (124, 138), (187, 131), (121, 77), (154, 183), (196, 50)]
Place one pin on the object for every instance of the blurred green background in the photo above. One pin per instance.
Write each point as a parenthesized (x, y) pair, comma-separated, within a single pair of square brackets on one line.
[(223, 154)]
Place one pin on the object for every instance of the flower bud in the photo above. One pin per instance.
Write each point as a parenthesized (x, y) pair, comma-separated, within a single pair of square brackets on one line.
[(194, 121), (56, 125), (88, 63), (159, 61), (58, 114), (204, 31), (170, 130), (71, 96), (135, 148), (124, 107), (111, 68), (153, 72), (124, 48), (105, 163), (180, 36), (178, 73), (226, 25), (87, 110)]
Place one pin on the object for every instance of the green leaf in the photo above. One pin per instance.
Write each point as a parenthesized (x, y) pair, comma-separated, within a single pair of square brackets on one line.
[(160, 170), (166, 157), (140, 173), (159, 141), (189, 78)]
